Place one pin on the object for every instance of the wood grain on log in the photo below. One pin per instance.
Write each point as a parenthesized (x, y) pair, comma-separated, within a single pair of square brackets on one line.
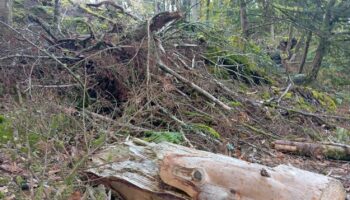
[(168, 171)]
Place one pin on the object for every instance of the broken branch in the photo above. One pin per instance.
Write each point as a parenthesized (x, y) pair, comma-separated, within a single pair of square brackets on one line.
[(193, 86), (314, 149)]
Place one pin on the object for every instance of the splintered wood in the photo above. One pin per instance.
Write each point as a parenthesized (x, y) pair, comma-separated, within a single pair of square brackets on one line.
[(144, 171)]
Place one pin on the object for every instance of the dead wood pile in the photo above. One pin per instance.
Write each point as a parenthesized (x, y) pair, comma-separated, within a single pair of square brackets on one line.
[(155, 79)]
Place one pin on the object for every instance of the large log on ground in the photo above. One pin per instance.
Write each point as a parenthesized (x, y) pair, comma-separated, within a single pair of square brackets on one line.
[(168, 171)]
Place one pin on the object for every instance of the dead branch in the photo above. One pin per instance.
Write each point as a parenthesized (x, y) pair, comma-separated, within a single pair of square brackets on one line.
[(76, 77), (161, 19), (338, 152), (63, 58), (90, 12), (116, 6), (270, 135), (312, 114), (193, 86), (284, 93), (156, 23), (43, 25), (104, 118)]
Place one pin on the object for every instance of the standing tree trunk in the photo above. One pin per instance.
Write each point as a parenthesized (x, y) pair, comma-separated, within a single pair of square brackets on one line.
[(185, 7), (272, 30), (290, 41), (195, 10), (316, 63), (306, 50), (300, 42), (6, 11), (57, 14), (327, 26), (244, 18), (268, 16), (207, 17)]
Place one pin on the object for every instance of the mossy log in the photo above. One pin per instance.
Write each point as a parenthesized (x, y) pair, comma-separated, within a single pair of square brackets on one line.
[(332, 151), (145, 171)]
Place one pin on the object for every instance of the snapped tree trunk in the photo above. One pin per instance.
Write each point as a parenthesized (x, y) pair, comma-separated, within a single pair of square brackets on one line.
[(244, 18), (148, 171), (305, 52)]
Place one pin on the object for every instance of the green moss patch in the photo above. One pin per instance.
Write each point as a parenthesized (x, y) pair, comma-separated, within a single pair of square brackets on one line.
[(325, 100), (243, 61), (206, 129)]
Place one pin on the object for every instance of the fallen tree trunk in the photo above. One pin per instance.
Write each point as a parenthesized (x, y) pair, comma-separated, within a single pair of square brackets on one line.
[(332, 151), (166, 171)]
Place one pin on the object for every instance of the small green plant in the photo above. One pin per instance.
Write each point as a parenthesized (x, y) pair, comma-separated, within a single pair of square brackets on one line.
[(6, 130), (235, 104), (157, 137), (342, 135)]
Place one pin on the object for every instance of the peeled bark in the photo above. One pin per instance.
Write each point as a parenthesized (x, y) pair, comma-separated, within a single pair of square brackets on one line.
[(167, 171)]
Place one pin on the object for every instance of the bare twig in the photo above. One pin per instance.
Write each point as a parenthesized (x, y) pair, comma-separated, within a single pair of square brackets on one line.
[(259, 131), (284, 93), (313, 114), (116, 6), (44, 25), (39, 57), (193, 86), (76, 77), (56, 86), (149, 39), (126, 125)]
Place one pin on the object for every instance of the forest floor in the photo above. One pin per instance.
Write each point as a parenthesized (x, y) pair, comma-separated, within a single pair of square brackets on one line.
[(182, 86)]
